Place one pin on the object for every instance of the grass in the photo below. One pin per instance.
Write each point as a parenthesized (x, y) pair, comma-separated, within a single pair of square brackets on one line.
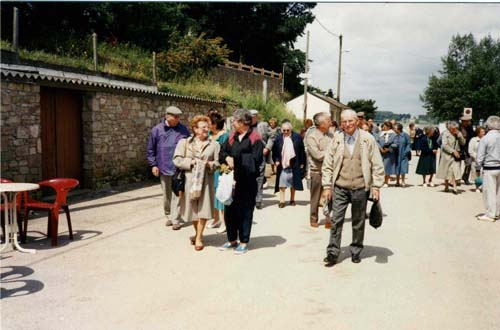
[(124, 60), (199, 87), (131, 61)]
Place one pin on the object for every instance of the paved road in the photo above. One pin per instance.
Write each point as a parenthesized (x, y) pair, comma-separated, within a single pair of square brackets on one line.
[(430, 266)]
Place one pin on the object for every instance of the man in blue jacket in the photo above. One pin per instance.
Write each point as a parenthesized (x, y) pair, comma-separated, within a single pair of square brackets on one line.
[(160, 153)]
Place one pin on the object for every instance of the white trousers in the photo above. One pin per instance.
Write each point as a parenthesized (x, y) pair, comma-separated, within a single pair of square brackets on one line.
[(491, 192)]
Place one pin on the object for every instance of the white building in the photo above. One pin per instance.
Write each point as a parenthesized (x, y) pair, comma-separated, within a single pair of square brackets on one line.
[(315, 103)]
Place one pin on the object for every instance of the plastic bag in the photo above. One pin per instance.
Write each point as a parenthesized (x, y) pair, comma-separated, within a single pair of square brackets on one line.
[(224, 191)]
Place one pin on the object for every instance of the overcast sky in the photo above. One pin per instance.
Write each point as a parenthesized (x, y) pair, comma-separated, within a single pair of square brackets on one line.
[(393, 48)]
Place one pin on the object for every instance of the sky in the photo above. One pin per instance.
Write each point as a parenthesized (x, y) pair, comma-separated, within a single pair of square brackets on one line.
[(390, 49)]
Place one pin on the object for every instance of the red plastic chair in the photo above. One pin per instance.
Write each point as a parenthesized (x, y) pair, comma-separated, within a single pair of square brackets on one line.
[(61, 186), (2, 209)]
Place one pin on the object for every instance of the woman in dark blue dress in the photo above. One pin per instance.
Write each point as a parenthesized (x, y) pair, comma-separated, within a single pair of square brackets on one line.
[(289, 157), (427, 161)]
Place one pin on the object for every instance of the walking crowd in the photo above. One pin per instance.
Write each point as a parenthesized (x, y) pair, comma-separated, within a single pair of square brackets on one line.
[(342, 165)]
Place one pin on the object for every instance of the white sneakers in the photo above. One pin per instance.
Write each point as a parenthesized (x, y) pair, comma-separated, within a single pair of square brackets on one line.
[(484, 217)]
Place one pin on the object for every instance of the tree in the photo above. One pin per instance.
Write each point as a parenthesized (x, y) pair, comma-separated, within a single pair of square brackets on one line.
[(259, 34), (367, 106), (470, 77)]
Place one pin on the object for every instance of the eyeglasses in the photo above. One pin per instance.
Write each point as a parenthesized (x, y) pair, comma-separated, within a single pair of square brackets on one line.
[(285, 130)]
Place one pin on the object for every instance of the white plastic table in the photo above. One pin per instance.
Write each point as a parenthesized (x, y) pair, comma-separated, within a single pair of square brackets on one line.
[(9, 192)]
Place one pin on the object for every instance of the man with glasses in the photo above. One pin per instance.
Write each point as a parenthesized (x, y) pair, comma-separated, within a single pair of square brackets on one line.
[(160, 153), (352, 168)]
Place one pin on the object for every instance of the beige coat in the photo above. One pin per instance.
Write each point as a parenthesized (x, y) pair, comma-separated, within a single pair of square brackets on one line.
[(449, 168), (371, 161), (316, 145), (201, 208)]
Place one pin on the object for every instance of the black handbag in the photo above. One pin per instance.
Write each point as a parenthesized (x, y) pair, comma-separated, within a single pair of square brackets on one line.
[(179, 178), (178, 182), (376, 215)]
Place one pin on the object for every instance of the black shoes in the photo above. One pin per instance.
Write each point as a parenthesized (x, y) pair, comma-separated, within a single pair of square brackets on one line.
[(330, 260), (258, 206), (356, 258)]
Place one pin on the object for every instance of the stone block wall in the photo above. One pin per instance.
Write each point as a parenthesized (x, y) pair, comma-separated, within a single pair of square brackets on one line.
[(21, 144), (245, 80), (116, 130)]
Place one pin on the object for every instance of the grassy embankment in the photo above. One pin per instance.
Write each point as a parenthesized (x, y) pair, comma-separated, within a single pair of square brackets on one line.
[(133, 62)]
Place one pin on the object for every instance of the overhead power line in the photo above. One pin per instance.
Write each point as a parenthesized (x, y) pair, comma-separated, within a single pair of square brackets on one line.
[(324, 27)]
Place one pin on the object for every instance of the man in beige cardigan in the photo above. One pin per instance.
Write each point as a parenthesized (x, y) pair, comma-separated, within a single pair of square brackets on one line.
[(352, 168)]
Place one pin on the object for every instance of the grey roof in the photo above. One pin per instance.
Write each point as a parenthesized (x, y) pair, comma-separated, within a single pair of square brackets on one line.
[(80, 79), (330, 100)]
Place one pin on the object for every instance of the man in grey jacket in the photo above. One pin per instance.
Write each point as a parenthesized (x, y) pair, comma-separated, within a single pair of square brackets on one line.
[(352, 168), (267, 135), (488, 158)]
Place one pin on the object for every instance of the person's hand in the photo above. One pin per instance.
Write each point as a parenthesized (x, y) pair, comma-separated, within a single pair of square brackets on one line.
[(277, 163), (326, 195), (435, 152), (375, 194), (230, 162), (265, 152), (457, 155), (155, 170)]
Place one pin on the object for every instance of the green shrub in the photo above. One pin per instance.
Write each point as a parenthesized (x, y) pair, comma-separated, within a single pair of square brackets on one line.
[(191, 56)]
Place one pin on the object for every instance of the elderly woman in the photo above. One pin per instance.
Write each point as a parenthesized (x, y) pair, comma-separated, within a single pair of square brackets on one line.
[(275, 130), (219, 135), (427, 161), (289, 155), (473, 145), (198, 156), (388, 149), (243, 152), (402, 139), (449, 162)]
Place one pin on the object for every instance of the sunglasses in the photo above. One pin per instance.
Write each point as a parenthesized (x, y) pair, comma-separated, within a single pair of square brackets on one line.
[(286, 130)]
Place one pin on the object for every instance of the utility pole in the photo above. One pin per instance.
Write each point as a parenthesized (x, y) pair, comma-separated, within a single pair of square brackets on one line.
[(340, 68), (305, 79)]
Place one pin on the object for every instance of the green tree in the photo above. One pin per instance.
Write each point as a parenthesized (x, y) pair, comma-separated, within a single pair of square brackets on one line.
[(367, 106), (470, 77), (259, 34)]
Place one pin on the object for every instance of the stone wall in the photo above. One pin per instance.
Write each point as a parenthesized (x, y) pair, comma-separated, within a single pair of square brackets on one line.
[(116, 127), (21, 148), (245, 80), (116, 131)]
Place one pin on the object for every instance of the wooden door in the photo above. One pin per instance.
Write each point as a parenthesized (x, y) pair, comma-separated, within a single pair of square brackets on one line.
[(61, 121)]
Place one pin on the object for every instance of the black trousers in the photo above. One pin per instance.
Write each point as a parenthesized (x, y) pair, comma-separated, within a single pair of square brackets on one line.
[(341, 199), (238, 218)]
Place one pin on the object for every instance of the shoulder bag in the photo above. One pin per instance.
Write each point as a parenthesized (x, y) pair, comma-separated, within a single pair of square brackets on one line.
[(179, 178)]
